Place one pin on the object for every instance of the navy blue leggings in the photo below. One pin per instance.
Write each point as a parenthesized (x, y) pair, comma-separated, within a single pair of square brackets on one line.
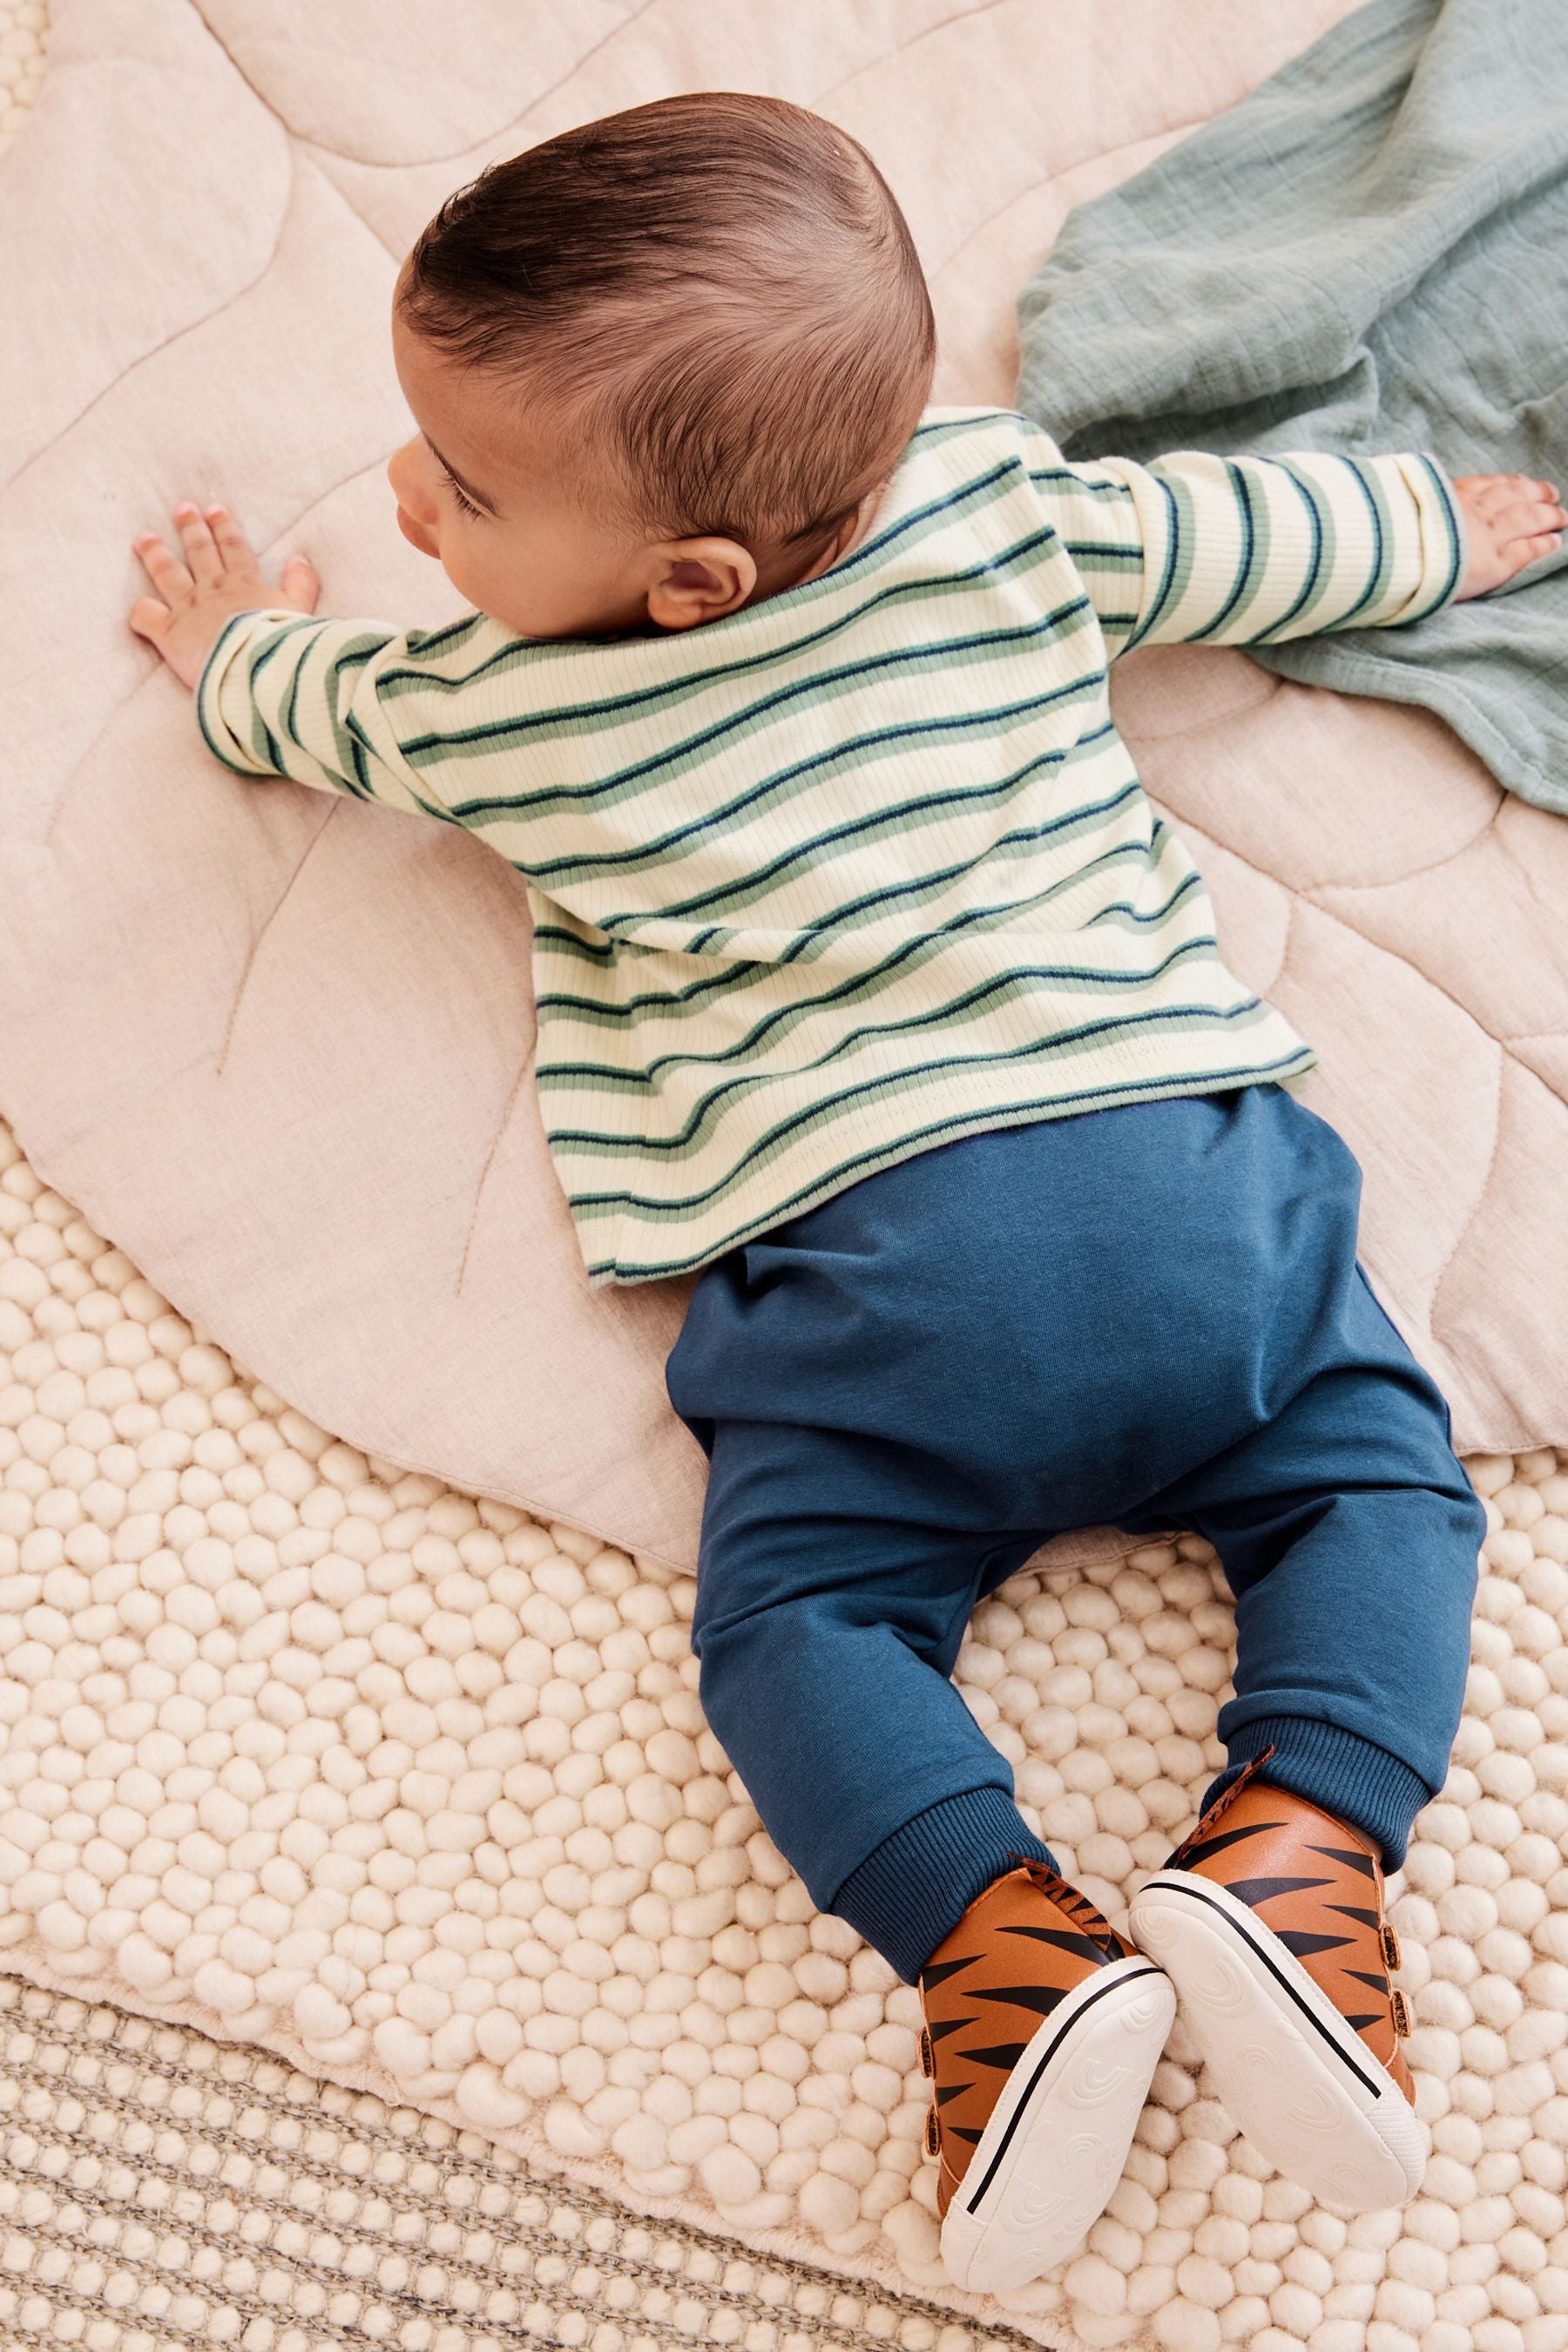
[(1150, 1317)]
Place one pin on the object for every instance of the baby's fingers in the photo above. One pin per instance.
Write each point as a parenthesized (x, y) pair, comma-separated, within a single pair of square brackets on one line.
[(232, 543), (1490, 493), (1528, 520), (149, 618), (301, 583), (164, 570)]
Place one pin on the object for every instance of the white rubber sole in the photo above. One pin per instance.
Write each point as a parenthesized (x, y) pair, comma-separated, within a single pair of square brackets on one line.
[(1052, 2153), (1301, 2083)]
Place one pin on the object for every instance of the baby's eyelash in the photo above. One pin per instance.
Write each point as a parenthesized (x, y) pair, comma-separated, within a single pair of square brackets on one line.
[(460, 493)]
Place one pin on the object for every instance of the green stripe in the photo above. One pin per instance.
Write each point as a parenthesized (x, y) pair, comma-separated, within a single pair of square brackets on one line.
[(1451, 519), (821, 935), (1101, 551), (1111, 489), (1123, 911), (431, 641), (788, 783), (1382, 553), (1064, 979), (675, 761), (1252, 564), (735, 981), (356, 753), (1014, 985), (1175, 563), (1319, 569), (1064, 1044), (897, 817), (873, 905), (676, 1008)]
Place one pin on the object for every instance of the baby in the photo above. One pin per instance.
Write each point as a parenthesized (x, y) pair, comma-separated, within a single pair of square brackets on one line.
[(871, 988)]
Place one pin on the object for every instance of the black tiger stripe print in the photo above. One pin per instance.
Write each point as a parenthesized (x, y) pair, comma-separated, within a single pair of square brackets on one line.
[(1019, 1950), (1317, 1884)]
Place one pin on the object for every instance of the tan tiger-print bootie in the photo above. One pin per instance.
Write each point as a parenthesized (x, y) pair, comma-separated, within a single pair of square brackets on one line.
[(1268, 1916), (1043, 2029)]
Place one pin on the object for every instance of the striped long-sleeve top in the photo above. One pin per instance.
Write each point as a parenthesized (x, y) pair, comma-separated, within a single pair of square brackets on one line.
[(864, 867)]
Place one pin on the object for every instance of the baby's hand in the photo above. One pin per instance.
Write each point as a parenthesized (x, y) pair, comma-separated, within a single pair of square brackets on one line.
[(1512, 519), (219, 578)]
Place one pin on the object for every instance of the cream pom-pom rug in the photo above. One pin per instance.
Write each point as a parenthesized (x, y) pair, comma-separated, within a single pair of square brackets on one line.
[(415, 1794), (158, 2189)]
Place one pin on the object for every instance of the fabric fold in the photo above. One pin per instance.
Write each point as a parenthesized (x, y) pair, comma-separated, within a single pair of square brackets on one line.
[(1369, 252)]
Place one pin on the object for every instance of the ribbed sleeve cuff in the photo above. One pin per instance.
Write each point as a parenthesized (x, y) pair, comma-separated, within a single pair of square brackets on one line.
[(1353, 1777), (218, 731), (913, 1889), (1443, 537)]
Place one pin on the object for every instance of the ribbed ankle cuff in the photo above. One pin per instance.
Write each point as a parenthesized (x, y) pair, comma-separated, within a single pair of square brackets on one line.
[(1348, 1776), (913, 1889)]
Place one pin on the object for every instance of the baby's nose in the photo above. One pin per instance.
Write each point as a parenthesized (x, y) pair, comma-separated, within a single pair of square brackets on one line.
[(401, 470)]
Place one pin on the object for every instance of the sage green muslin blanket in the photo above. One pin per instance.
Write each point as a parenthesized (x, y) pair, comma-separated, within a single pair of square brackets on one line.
[(1370, 252)]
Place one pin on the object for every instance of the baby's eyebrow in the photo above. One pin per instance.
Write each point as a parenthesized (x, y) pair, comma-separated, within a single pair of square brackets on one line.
[(477, 496)]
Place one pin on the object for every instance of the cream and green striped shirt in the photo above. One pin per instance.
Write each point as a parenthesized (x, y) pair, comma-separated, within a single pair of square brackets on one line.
[(865, 867)]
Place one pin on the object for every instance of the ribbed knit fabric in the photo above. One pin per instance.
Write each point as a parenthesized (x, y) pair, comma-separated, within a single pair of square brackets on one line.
[(864, 867), (1349, 1777), (913, 1889)]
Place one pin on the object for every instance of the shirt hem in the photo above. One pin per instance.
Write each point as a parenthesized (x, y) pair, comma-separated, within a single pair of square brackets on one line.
[(613, 1275)]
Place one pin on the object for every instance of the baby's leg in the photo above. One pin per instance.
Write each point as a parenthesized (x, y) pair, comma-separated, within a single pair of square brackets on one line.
[(829, 1614), (899, 1393), (828, 1619), (1349, 1533)]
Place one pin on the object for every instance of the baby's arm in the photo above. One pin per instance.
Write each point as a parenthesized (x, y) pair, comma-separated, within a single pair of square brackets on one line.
[(284, 695), (1194, 547), (281, 692)]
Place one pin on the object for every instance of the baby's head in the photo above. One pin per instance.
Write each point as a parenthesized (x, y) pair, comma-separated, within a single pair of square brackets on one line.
[(673, 354)]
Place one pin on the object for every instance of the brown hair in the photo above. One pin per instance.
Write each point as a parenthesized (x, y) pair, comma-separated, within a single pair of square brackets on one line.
[(719, 289)]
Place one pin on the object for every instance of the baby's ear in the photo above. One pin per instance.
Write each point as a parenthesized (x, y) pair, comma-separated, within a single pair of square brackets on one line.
[(696, 580)]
